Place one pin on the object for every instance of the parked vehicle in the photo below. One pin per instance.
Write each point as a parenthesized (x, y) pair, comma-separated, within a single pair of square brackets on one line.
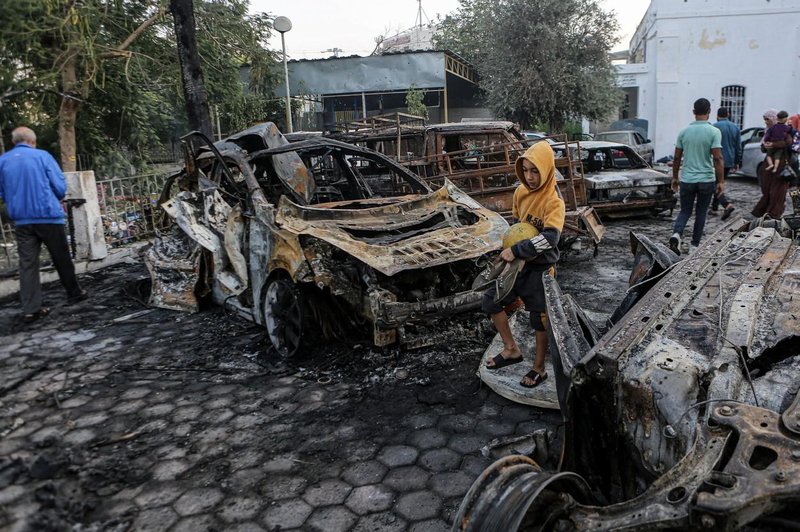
[(634, 139), (619, 182), (317, 239), (752, 156), (479, 158)]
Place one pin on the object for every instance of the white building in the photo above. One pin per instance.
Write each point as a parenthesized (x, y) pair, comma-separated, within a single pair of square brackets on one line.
[(740, 54)]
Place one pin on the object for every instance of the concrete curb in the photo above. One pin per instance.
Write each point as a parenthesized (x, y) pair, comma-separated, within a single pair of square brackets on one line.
[(10, 286)]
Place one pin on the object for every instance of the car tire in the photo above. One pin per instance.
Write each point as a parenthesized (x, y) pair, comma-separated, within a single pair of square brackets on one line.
[(286, 317)]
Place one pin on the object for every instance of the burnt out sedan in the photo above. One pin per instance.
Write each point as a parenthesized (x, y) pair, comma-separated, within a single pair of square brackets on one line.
[(620, 183), (317, 239)]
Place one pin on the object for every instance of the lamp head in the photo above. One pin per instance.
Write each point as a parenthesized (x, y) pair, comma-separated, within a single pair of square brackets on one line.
[(282, 24)]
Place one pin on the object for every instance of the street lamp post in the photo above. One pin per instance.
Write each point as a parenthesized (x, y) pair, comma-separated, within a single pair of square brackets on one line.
[(282, 25)]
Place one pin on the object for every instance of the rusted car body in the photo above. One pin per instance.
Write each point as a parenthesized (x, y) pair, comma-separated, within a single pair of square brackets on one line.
[(317, 239), (619, 182), (685, 414), (479, 158)]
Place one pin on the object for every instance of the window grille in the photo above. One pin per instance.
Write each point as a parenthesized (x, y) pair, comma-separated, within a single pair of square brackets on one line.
[(733, 100)]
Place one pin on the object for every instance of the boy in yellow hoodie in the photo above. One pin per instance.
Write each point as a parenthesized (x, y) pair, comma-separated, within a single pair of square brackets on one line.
[(537, 202)]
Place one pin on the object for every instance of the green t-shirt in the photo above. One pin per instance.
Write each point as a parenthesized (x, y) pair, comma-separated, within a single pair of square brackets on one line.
[(697, 140)]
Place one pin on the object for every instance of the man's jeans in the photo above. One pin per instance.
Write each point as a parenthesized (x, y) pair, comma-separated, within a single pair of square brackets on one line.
[(689, 192)]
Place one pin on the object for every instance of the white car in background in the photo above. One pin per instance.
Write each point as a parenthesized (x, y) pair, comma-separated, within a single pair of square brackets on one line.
[(634, 139), (752, 156)]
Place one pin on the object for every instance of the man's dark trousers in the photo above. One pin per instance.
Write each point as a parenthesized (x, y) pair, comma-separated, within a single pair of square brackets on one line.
[(29, 241)]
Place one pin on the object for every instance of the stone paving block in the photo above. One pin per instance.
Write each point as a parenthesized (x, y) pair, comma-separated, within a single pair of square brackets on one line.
[(158, 410), (451, 484), (419, 505), (422, 421), (496, 428), (291, 513), (474, 465), (90, 420), (364, 473), (432, 525), (490, 410), (239, 509), (440, 459), (457, 423), (156, 519), (170, 452), (518, 413), (327, 492), (358, 451), (186, 413), (427, 438), (195, 523), (333, 519), (382, 522), (159, 494), (244, 527), (79, 437), (398, 455), (279, 394), (10, 445), (467, 443), (218, 402), (75, 401), (283, 487), (134, 393), (281, 464), (128, 407), (197, 501), (220, 415), (245, 479), (247, 458), (169, 470), (10, 493), (370, 499), (408, 478)]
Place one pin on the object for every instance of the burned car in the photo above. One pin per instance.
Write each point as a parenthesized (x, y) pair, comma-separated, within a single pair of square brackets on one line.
[(685, 414), (316, 239), (619, 182)]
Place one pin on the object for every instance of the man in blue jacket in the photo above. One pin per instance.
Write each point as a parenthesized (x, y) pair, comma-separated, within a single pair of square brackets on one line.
[(32, 185)]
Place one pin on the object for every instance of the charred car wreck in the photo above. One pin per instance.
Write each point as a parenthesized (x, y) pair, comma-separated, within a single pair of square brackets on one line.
[(685, 414), (316, 239)]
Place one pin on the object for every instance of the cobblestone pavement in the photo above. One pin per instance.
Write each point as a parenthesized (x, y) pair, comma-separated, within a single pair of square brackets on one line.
[(169, 421)]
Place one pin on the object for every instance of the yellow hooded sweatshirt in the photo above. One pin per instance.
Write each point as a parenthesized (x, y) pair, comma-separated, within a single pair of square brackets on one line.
[(541, 207)]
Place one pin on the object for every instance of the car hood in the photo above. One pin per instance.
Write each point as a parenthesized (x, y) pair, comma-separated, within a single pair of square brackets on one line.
[(635, 177), (402, 233)]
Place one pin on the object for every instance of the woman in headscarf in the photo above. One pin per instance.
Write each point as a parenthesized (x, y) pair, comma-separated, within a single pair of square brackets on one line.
[(773, 186)]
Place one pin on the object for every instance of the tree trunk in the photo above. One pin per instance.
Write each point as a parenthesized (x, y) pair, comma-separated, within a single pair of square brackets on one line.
[(194, 91), (67, 114)]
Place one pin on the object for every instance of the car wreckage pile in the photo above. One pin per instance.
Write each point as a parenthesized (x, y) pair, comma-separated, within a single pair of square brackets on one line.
[(685, 414), (317, 239)]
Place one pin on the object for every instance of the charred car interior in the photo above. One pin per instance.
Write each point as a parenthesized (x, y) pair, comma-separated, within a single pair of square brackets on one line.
[(685, 413), (316, 239)]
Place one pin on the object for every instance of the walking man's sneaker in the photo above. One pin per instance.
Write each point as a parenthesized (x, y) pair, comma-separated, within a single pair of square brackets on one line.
[(675, 243), (692, 249), (727, 212), (713, 212)]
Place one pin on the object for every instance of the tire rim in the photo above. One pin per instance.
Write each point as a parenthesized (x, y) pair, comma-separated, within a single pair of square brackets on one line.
[(282, 317)]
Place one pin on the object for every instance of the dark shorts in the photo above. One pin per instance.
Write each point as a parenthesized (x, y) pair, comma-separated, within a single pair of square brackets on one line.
[(527, 287)]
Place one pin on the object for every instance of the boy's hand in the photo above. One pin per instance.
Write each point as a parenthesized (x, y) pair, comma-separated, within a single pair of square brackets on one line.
[(507, 255)]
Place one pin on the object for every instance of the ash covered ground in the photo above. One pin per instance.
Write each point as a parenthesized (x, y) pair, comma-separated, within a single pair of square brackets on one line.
[(169, 421)]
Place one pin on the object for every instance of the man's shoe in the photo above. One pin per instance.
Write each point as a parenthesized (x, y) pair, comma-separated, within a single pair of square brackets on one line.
[(713, 212), (71, 300), (692, 249), (675, 243), (727, 212)]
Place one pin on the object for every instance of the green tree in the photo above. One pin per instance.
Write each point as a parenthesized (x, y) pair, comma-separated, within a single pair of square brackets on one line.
[(538, 60), (415, 104), (116, 63)]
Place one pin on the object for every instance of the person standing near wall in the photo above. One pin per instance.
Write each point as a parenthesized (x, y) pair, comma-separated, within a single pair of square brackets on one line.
[(32, 185), (731, 158), (699, 148)]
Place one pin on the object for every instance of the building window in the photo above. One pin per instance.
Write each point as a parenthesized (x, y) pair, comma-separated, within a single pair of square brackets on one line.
[(733, 100)]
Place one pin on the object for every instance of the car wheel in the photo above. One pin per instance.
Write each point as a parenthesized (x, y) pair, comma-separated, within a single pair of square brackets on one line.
[(285, 316)]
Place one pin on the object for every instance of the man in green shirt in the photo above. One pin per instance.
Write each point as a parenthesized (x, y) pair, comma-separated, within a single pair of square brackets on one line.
[(699, 148)]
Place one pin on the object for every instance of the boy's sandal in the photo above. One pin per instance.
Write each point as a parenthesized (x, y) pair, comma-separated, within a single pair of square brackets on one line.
[(501, 362), (535, 377), (41, 313)]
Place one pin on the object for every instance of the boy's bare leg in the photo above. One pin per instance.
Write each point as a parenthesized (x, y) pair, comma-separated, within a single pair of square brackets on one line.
[(769, 163), (510, 348), (542, 342)]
